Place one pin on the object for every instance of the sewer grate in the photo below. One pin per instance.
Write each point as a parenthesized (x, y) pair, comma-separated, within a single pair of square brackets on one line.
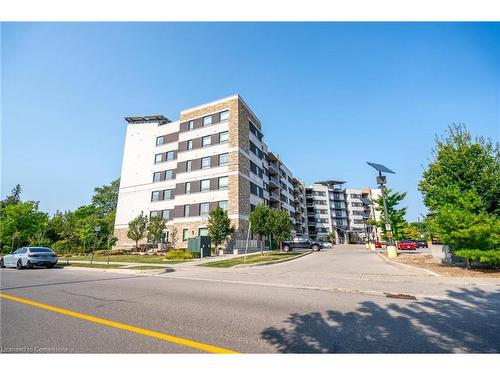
[(400, 296)]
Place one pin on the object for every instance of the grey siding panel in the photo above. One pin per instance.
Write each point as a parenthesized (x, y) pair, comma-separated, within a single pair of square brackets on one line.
[(214, 183), (179, 188), (172, 137), (213, 205), (197, 143), (184, 126), (214, 162), (215, 118), (181, 166), (182, 146), (194, 209), (215, 139), (178, 211), (198, 123), (195, 186), (196, 164)]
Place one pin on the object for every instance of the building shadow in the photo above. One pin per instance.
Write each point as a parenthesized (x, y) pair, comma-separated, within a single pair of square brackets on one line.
[(467, 320)]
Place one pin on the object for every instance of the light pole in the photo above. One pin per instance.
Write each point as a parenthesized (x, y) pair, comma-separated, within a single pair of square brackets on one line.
[(382, 182)]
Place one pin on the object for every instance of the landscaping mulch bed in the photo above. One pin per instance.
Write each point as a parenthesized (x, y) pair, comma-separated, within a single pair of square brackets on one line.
[(426, 261)]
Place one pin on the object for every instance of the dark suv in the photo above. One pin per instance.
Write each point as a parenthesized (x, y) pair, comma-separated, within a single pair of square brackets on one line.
[(302, 242)]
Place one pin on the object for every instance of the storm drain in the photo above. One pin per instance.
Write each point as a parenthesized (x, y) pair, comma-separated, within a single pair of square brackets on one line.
[(400, 296)]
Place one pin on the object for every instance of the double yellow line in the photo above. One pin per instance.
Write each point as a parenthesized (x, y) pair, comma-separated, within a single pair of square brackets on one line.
[(141, 331)]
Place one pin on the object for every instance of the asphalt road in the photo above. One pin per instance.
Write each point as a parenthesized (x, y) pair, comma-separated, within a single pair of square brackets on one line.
[(241, 317)]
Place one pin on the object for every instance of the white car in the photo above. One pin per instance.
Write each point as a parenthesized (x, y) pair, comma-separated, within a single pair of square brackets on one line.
[(29, 257), (327, 245)]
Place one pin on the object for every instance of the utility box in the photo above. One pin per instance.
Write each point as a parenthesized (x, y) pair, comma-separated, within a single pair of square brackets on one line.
[(199, 244)]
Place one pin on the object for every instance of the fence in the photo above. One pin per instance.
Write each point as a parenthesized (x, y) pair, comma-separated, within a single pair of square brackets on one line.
[(241, 245)]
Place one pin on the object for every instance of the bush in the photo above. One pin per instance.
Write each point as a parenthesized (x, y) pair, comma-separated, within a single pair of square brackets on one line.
[(486, 257), (178, 255)]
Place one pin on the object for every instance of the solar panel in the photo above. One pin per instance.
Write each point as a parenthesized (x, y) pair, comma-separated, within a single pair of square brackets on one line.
[(380, 167)]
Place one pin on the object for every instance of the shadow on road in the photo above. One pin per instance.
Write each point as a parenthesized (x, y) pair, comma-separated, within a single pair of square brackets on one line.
[(467, 321)]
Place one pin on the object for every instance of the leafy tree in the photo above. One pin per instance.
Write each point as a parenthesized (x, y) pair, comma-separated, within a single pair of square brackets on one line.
[(259, 220), (156, 226), (219, 225), (105, 198), (137, 229), (14, 197), (396, 216), (331, 237), (410, 231), (174, 235), (280, 225)]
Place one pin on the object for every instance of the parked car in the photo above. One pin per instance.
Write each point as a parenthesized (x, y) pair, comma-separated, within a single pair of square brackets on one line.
[(407, 245), (29, 257), (302, 242), (378, 245), (421, 243), (326, 245)]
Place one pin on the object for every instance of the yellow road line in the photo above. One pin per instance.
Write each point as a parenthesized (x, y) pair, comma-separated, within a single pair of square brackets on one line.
[(125, 327)]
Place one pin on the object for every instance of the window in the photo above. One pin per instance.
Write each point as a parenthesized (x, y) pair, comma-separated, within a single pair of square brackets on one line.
[(189, 145), (204, 209), (155, 196), (158, 158), (223, 205), (252, 207), (187, 188), (205, 185), (167, 194), (223, 159), (191, 125), (254, 131), (189, 165), (169, 174), (186, 210), (185, 233), (154, 213), (165, 214), (205, 162), (202, 231), (160, 140), (223, 137), (224, 116), (207, 120), (170, 155), (206, 141), (223, 182), (156, 176)]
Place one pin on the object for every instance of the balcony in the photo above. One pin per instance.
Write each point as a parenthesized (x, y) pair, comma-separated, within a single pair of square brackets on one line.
[(274, 183), (274, 197), (273, 168)]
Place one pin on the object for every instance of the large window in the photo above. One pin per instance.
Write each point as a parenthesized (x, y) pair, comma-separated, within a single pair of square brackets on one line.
[(202, 231), (204, 209), (223, 205), (207, 120), (167, 194), (205, 185), (159, 140), (223, 159), (170, 155), (189, 165), (223, 137), (224, 116), (191, 125), (165, 214), (185, 234), (206, 141), (158, 158), (205, 162), (156, 176), (186, 210), (155, 196), (169, 174), (223, 182), (255, 131), (189, 145), (154, 213), (187, 188)]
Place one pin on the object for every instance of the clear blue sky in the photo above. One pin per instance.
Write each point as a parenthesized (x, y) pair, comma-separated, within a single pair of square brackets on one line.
[(330, 96)]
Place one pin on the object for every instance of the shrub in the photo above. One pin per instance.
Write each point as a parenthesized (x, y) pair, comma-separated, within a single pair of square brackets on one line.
[(486, 257), (178, 255)]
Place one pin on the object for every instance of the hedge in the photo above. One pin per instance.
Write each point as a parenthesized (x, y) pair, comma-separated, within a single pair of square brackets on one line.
[(486, 257)]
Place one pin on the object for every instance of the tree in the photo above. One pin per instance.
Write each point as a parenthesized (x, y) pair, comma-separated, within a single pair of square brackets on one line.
[(14, 197), (461, 188), (411, 231), (174, 235), (396, 216), (105, 198), (156, 226), (137, 228), (331, 237), (219, 225), (280, 225), (259, 221)]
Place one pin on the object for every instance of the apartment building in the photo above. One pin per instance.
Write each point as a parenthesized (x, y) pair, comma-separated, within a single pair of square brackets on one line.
[(213, 155)]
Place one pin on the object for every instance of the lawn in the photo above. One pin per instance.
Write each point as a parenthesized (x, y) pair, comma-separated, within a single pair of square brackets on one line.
[(127, 258), (251, 259)]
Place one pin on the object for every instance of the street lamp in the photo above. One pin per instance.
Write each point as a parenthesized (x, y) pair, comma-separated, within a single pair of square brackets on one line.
[(382, 182)]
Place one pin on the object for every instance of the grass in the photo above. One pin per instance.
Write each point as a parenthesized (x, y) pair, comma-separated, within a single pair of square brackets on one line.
[(128, 258), (251, 259), (88, 265), (145, 268)]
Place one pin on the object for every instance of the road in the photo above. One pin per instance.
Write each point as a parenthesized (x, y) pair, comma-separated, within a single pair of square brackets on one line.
[(327, 302)]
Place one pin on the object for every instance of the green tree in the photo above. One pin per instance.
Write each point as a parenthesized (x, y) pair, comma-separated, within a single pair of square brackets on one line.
[(219, 226), (259, 221), (13, 198), (280, 225), (156, 226), (105, 198), (137, 229), (410, 231), (174, 235), (396, 216)]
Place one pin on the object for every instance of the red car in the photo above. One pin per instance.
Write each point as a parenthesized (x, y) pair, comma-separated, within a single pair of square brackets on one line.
[(407, 245)]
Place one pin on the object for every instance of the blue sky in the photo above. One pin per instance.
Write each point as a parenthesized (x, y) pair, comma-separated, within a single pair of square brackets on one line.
[(331, 96)]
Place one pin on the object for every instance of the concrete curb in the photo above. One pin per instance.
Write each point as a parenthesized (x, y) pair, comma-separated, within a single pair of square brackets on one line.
[(271, 261), (407, 266)]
